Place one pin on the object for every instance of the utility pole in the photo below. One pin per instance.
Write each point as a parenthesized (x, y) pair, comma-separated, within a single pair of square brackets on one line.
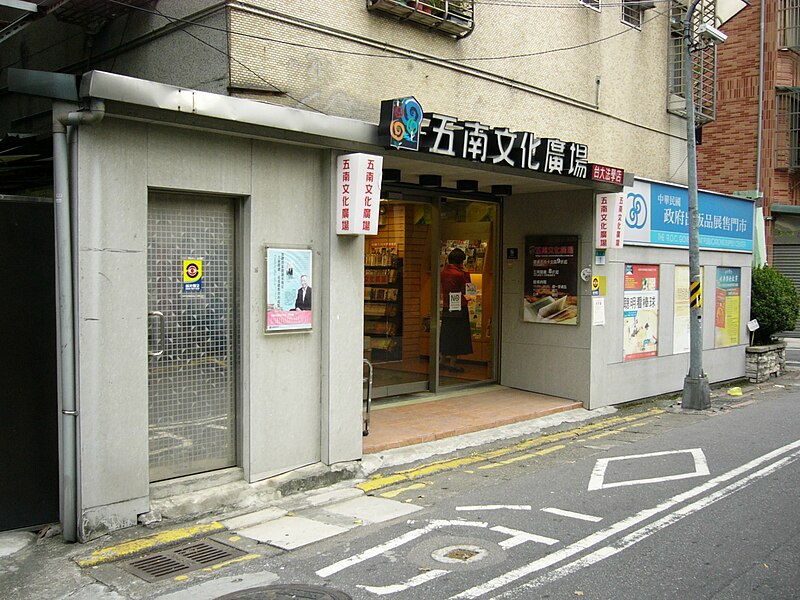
[(696, 392)]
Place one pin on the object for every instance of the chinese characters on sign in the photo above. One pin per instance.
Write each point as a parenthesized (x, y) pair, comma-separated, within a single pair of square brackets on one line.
[(192, 274), (727, 308), (471, 140), (289, 293), (551, 280), (609, 220), (640, 312), (358, 193)]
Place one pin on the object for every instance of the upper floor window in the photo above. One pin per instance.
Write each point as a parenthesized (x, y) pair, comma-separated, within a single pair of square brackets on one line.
[(787, 128), (595, 4), (789, 24), (453, 17), (632, 13)]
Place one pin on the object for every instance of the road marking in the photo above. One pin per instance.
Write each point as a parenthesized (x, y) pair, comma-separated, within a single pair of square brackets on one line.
[(401, 587), (520, 537), (496, 507), (572, 515), (648, 530), (515, 459), (623, 525), (597, 480), (408, 488), (380, 481)]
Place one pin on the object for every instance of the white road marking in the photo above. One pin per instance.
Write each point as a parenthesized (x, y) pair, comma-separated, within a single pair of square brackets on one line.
[(520, 537), (496, 507), (623, 525), (651, 528), (384, 590), (596, 481), (572, 515), (394, 543)]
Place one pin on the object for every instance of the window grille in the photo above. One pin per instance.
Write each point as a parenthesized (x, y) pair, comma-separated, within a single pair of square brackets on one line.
[(453, 17), (632, 13), (787, 128), (594, 4), (704, 64), (789, 25)]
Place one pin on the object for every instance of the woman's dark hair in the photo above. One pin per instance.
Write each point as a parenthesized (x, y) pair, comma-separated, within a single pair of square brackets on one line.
[(456, 257)]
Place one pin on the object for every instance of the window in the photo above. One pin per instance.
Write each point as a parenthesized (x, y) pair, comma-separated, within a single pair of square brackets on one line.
[(787, 128), (632, 12), (789, 24), (593, 4), (451, 17)]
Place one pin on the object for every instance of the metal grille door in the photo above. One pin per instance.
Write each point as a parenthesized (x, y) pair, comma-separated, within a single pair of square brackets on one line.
[(191, 300)]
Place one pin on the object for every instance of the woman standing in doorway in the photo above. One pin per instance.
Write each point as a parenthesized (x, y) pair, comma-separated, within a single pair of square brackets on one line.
[(455, 339)]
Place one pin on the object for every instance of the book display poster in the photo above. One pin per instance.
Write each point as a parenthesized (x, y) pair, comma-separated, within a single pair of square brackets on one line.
[(681, 323), (640, 312), (727, 307), (551, 279), (289, 290)]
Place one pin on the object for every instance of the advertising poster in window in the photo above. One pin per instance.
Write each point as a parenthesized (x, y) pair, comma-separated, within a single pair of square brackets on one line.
[(289, 285), (680, 326), (640, 312), (551, 280), (727, 308)]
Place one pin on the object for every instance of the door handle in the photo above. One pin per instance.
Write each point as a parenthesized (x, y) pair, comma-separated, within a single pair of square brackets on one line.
[(160, 316)]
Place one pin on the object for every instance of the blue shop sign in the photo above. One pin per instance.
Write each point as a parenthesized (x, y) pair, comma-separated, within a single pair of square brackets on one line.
[(657, 214)]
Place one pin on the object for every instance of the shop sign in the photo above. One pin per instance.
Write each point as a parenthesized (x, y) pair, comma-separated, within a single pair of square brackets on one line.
[(551, 280), (608, 174), (657, 214), (609, 220), (404, 125), (358, 193)]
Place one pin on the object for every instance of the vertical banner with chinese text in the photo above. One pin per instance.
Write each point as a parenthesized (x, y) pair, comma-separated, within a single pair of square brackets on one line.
[(640, 312), (551, 279), (358, 193)]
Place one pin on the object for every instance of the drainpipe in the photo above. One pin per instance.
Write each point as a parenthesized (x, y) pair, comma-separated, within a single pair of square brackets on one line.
[(760, 98), (64, 116)]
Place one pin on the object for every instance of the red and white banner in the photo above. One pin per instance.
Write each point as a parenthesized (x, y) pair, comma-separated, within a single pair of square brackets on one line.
[(609, 220), (358, 193)]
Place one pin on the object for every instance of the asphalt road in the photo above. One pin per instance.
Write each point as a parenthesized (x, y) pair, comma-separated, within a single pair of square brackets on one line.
[(676, 505)]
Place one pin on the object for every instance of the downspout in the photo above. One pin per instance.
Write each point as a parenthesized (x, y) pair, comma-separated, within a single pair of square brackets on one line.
[(64, 116), (760, 98)]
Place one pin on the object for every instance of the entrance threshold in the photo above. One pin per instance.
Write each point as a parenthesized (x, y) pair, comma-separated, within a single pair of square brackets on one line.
[(416, 418)]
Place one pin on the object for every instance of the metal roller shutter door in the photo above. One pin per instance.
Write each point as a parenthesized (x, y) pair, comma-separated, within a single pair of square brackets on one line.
[(786, 259)]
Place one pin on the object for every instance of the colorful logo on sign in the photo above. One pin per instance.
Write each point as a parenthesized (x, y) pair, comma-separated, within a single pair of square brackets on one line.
[(193, 275), (404, 117)]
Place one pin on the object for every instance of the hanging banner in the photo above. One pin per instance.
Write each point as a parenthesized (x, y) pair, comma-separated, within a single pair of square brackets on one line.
[(609, 220), (727, 309), (358, 193), (551, 280), (640, 312)]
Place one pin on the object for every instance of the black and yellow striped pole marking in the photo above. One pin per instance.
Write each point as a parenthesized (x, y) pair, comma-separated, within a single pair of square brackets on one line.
[(696, 295)]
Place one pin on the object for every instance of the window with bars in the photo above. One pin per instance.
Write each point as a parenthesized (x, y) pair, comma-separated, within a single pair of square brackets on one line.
[(787, 128), (632, 12), (789, 24), (593, 4)]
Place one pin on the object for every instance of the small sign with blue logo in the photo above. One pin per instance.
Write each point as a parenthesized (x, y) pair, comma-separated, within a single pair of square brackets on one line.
[(193, 275)]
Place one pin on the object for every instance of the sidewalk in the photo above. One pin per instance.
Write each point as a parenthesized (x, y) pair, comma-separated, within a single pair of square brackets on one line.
[(47, 568)]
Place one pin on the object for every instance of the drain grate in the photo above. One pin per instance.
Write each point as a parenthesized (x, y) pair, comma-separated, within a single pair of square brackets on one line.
[(180, 560)]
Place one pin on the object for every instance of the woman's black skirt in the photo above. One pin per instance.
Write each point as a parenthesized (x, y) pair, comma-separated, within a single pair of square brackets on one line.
[(456, 337)]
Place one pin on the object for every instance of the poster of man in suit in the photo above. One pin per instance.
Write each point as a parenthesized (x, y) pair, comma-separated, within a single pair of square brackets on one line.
[(289, 275)]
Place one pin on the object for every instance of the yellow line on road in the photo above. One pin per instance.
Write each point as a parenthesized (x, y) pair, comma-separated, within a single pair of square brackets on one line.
[(408, 488), (379, 481), (131, 547), (232, 561)]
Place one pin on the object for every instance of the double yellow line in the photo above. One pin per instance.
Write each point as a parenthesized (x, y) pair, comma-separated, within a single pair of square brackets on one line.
[(609, 426)]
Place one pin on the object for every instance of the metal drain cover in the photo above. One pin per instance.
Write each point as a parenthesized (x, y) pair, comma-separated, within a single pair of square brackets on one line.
[(183, 559), (287, 592)]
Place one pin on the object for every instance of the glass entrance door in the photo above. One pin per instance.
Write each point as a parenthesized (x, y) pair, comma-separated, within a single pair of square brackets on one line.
[(403, 306)]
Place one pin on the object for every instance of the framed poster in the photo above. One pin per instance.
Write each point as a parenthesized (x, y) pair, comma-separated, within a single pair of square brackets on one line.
[(727, 307), (640, 312), (551, 279), (289, 290)]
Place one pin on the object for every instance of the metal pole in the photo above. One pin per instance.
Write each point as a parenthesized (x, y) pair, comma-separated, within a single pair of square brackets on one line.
[(696, 392)]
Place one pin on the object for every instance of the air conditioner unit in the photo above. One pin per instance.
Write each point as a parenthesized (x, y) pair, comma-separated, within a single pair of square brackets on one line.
[(647, 4)]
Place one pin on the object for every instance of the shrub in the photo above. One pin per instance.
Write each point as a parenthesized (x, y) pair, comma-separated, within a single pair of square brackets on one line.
[(774, 303)]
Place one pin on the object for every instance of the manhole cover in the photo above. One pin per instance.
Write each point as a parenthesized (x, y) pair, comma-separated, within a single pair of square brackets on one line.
[(459, 554), (180, 560), (285, 592)]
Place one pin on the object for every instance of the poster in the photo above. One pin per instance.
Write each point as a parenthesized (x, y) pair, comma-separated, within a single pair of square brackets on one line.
[(640, 312), (681, 323), (551, 280), (727, 307), (289, 290)]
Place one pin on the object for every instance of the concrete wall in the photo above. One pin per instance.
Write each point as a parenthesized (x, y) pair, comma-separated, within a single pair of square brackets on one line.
[(300, 401)]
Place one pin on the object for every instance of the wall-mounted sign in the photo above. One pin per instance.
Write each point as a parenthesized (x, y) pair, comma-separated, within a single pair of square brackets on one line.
[(289, 295), (474, 141), (609, 220), (551, 279), (657, 214), (599, 285), (640, 312), (358, 193), (727, 308), (607, 174), (192, 274)]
